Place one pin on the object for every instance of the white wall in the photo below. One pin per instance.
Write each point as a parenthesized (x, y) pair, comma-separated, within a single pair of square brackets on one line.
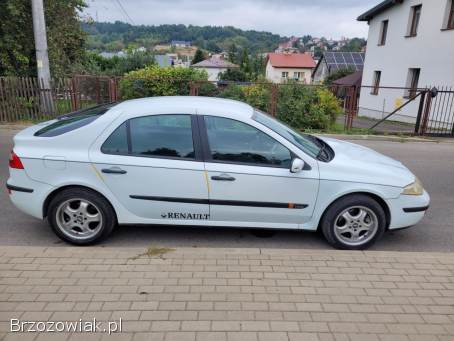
[(275, 74), (213, 73), (321, 73), (432, 50)]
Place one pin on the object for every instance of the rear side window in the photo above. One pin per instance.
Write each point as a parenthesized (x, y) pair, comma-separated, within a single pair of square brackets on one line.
[(117, 143), (74, 120), (153, 136)]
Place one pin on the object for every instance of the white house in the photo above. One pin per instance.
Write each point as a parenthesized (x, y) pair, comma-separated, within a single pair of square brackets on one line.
[(180, 43), (214, 66), (410, 44), (281, 67)]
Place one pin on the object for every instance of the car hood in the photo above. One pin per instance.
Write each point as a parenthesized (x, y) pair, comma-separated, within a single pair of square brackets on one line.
[(356, 163)]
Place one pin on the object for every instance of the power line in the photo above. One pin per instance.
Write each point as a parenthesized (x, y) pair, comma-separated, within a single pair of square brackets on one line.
[(126, 13)]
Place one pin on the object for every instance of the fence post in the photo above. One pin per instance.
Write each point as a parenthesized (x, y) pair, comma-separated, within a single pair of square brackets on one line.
[(73, 92), (420, 109), (193, 88), (350, 106), (273, 101), (425, 117), (113, 90)]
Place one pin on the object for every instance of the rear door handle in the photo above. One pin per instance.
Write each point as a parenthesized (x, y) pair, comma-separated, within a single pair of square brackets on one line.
[(223, 177), (113, 170)]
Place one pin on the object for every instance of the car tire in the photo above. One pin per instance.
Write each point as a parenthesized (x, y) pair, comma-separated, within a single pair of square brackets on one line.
[(354, 222), (81, 216)]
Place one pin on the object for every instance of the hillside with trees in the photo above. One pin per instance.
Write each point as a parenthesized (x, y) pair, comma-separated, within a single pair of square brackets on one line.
[(119, 35)]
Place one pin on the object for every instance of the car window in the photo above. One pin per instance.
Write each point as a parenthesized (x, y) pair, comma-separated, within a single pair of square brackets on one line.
[(305, 142), (155, 135), (233, 141), (74, 120), (117, 143)]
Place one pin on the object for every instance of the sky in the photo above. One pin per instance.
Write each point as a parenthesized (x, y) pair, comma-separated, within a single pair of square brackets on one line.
[(328, 18)]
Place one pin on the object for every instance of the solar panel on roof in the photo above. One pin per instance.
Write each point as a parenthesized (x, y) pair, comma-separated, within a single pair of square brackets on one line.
[(339, 59), (342, 60), (329, 58), (358, 59), (348, 58)]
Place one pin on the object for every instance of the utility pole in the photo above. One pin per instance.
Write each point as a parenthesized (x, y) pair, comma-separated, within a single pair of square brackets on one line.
[(39, 30)]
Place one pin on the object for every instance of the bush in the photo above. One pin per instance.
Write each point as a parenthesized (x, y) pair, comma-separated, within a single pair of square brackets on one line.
[(156, 81), (306, 107), (234, 75), (339, 74), (300, 106), (258, 96)]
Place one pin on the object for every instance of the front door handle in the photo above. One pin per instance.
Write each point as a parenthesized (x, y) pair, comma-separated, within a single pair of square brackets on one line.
[(223, 177), (113, 170)]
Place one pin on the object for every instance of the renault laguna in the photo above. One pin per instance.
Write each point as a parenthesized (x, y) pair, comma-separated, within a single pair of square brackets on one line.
[(205, 162)]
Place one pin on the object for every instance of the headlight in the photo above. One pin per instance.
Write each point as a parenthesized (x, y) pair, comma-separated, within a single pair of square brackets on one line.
[(414, 189)]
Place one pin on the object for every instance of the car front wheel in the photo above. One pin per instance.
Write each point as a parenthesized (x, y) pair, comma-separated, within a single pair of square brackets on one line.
[(354, 222), (81, 216)]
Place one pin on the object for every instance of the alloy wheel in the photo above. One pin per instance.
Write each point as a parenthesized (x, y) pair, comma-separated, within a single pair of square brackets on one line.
[(356, 225), (79, 218)]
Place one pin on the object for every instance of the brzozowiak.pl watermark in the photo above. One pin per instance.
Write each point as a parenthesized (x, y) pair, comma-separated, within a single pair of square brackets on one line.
[(80, 326)]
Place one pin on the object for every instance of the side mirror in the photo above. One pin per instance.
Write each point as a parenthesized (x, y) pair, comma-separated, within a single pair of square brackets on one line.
[(297, 166)]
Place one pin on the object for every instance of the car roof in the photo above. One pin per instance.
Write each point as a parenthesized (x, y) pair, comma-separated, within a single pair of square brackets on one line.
[(201, 104)]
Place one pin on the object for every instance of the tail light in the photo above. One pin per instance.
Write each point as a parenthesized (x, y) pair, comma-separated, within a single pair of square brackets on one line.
[(15, 162)]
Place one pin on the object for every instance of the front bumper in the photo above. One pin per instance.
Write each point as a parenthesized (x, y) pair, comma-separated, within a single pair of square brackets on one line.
[(407, 210)]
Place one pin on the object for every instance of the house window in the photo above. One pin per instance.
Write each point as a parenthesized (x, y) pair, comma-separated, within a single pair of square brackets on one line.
[(412, 82), (451, 16), (414, 23), (376, 84), (383, 32), (285, 75), (297, 75)]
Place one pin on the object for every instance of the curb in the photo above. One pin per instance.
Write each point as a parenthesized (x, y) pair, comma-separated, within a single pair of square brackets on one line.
[(15, 126)]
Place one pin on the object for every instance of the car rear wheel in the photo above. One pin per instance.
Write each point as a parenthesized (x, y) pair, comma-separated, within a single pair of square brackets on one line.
[(354, 222), (81, 216)]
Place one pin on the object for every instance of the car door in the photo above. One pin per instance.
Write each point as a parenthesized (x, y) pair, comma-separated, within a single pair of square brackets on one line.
[(152, 166), (250, 179)]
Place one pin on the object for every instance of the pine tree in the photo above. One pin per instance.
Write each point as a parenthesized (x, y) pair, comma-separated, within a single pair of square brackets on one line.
[(198, 57)]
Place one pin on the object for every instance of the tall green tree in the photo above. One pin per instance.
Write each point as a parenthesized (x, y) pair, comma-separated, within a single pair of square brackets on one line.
[(198, 56), (245, 63), (232, 53), (65, 36)]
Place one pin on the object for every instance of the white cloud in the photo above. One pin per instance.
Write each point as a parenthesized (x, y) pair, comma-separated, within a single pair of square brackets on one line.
[(329, 18)]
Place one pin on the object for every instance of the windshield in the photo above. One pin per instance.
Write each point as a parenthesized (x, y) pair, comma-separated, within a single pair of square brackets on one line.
[(305, 142)]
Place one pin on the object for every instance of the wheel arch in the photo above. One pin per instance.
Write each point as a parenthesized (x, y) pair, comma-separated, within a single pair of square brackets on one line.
[(52, 195), (374, 196)]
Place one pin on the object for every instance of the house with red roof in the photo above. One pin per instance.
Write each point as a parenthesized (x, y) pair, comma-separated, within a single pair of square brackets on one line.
[(281, 67)]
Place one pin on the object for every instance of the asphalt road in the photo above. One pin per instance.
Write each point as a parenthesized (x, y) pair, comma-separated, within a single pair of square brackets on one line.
[(432, 162)]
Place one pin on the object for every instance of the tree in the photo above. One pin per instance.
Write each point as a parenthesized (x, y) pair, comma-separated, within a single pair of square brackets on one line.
[(354, 45), (64, 36), (233, 75), (198, 57), (245, 64), (232, 54), (339, 74)]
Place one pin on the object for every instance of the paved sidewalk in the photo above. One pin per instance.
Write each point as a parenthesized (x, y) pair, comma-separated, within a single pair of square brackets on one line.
[(230, 294)]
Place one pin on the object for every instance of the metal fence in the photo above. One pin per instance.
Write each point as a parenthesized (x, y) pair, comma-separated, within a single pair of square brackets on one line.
[(26, 98), (424, 111), (427, 111)]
